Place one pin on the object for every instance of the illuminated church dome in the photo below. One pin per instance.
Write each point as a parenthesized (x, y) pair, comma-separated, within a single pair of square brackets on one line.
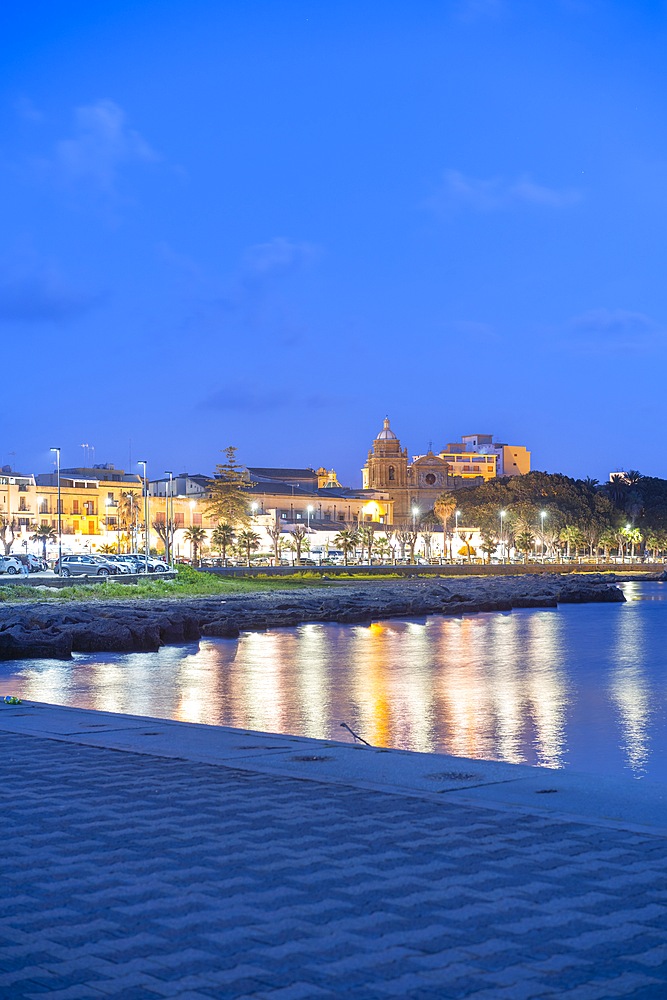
[(386, 434)]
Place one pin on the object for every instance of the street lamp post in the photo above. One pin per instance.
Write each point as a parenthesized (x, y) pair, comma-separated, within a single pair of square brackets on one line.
[(415, 511), (502, 536), (543, 514), (309, 511), (146, 529), (133, 523), (60, 526), (107, 503), (167, 524)]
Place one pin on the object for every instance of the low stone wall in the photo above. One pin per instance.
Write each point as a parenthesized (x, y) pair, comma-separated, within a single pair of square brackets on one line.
[(439, 570), (61, 583)]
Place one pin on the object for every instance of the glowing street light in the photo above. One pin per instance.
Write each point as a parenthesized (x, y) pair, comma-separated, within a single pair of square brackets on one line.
[(457, 515), (543, 514), (309, 511), (253, 508), (415, 511), (60, 527), (502, 535)]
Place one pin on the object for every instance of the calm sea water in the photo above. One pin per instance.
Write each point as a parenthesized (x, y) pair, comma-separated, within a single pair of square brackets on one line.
[(581, 687)]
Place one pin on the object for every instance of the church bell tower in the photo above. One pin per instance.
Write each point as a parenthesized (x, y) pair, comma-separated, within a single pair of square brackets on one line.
[(387, 464)]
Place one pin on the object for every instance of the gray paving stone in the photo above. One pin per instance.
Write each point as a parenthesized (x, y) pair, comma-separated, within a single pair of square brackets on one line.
[(130, 876)]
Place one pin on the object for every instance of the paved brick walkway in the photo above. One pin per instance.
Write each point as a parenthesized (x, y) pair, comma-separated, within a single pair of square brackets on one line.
[(129, 875)]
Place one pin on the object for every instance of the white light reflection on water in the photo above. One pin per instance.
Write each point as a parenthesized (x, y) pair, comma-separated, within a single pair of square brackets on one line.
[(583, 686), (630, 687)]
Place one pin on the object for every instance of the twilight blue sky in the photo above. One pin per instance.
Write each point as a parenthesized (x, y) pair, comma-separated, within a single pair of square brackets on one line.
[(270, 223)]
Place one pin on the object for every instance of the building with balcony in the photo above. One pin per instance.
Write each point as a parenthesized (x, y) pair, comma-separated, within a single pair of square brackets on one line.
[(482, 451)]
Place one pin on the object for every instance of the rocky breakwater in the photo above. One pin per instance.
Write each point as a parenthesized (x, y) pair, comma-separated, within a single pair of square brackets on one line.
[(49, 630)]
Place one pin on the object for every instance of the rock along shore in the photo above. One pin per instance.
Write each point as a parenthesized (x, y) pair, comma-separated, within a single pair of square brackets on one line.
[(30, 631)]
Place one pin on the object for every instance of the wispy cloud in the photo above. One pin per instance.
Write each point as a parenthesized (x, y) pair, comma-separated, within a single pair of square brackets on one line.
[(253, 294), (42, 295), (102, 144), (278, 257), (614, 330), (465, 330), (459, 190), (27, 110), (241, 398), (476, 10), (258, 298)]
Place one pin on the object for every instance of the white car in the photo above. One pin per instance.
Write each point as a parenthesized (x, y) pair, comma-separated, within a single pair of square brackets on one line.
[(8, 564), (116, 560), (138, 560)]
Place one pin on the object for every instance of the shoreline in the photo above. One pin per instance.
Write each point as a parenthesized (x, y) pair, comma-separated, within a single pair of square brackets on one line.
[(44, 630), (567, 794)]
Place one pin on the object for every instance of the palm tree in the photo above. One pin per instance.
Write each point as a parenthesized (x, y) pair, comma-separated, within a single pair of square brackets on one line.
[(129, 504), (382, 549), (573, 537), (524, 542), (248, 541), (45, 533), (367, 536), (489, 543), (196, 535), (222, 538), (347, 540), (443, 508), (298, 534)]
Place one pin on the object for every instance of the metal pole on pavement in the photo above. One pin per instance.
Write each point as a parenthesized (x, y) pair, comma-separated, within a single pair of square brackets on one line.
[(146, 530), (60, 526)]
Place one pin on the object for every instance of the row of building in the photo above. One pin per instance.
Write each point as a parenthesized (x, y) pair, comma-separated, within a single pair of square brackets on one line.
[(104, 505)]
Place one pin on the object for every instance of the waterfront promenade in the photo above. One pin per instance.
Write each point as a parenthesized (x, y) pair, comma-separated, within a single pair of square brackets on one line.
[(149, 858)]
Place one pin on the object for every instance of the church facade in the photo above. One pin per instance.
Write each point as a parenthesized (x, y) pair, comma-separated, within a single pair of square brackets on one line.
[(415, 485)]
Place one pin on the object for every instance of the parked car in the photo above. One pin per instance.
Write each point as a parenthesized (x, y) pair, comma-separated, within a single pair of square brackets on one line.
[(116, 560), (155, 565), (85, 565), (32, 563), (10, 564), (134, 563)]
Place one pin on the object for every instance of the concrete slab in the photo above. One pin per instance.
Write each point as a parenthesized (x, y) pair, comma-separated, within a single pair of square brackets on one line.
[(624, 801)]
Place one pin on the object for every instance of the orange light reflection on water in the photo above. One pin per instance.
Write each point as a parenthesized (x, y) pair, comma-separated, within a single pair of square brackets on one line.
[(489, 686)]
